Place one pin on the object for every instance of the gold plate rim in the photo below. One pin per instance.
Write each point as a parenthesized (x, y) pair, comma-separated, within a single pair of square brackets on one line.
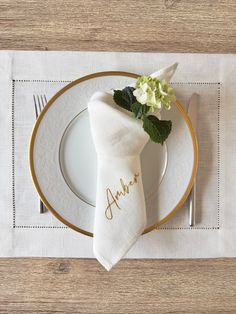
[(51, 102)]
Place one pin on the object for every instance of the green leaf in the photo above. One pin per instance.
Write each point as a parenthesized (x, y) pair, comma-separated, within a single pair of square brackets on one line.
[(158, 130), (139, 110), (136, 108), (129, 93), (124, 98)]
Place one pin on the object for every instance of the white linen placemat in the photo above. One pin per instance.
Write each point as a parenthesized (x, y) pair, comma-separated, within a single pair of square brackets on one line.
[(25, 232)]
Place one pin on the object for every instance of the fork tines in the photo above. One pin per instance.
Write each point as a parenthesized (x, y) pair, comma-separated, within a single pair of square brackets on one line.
[(40, 102)]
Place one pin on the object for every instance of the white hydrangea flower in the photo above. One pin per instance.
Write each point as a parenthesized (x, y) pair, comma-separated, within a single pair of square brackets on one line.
[(141, 94), (153, 93)]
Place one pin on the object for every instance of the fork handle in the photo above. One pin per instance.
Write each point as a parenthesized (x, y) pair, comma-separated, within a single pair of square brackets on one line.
[(192, 206), (41, 207)]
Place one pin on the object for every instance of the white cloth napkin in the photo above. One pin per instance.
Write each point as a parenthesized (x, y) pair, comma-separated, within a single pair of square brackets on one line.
[(120, 216)]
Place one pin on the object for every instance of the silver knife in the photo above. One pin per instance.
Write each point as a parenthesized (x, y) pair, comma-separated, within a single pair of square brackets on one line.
[(192, 113)]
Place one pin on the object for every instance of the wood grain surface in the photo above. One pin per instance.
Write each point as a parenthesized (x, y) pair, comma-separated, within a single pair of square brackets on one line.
[(137, 25), (83, 286), (134, 286)]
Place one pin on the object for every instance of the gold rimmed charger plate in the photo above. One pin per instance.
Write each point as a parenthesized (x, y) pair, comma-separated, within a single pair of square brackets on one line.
[(52, 102)]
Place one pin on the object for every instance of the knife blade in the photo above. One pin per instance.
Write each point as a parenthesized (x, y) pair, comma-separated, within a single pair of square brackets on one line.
[(192, 113)]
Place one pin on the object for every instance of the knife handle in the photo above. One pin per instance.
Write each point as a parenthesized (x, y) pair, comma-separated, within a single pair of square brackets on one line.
[(192, 206)]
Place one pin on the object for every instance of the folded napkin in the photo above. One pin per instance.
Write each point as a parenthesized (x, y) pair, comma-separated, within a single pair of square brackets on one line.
[(120, 216)]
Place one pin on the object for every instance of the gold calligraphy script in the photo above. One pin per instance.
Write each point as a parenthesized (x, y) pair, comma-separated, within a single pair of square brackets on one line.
[(112, 199)]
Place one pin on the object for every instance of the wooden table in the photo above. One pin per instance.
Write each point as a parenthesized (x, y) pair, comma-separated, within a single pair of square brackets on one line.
[(136, 286)]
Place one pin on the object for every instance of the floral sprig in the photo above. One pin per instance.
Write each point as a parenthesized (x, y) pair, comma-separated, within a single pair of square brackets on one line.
[(149, 94)]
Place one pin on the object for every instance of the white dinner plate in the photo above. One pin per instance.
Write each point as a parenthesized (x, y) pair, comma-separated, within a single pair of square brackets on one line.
[(63, 159)]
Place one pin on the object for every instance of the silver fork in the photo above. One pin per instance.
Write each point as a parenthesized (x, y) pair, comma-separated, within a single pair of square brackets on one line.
[(40, 102)]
